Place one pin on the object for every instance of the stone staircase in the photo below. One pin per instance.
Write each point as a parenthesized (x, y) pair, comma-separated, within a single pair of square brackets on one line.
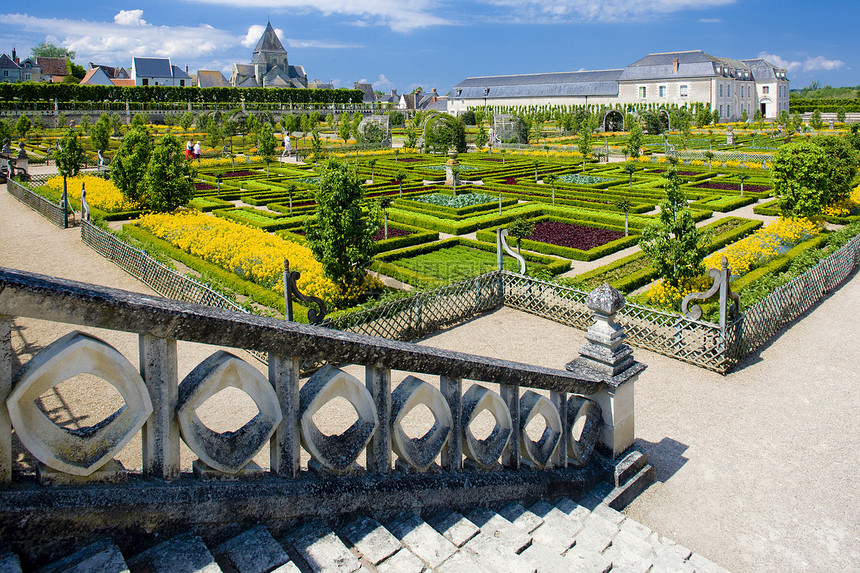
[(588, 536)]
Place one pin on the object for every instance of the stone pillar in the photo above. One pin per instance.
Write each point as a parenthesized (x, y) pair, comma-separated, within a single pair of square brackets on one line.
[(452, 177), (605, 357)]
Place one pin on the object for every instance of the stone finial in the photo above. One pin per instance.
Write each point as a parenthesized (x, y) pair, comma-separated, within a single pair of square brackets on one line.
[(604, 352), (605, 300)]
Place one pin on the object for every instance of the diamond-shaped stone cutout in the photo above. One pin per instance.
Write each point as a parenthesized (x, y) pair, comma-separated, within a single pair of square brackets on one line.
[(539, 452), (77, 453), (485, 452), (585, 414), (338, 452), (227, 452), (81, 403), (419, 452), (242, 410)]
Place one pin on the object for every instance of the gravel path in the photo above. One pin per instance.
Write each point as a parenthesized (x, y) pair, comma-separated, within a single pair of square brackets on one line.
[(756, 470)]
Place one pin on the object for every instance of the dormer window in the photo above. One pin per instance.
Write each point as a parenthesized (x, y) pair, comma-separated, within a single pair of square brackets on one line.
[(459, 91), (486, 91)]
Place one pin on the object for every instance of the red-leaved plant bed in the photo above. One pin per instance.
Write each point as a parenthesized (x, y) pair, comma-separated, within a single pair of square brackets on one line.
[(510, 180), (733, 187), (392, 232), (574, 236), (491, 159), (409, 160), (203, 186), (238, 173)]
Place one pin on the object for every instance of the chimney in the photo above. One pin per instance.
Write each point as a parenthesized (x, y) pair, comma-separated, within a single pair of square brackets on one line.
[(186, 68), (435, 95), (675, 66), (15, 56)]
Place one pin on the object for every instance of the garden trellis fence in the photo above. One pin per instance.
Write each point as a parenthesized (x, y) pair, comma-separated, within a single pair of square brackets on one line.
[(758, 324), (51, 211)]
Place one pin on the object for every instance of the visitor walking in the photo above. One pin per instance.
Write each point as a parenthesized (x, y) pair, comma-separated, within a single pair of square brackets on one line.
[(197, 150), (286, 152), (189, 150)]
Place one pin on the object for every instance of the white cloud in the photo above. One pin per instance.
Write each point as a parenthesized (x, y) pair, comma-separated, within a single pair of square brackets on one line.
[(398, 15), (821, 63), (780, 62), (599, 10), (130, 18), (382, 83), (711, 20)]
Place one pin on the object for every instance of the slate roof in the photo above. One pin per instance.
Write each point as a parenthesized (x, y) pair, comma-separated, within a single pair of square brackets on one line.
[(153, 68), (269, 41), (111, 71), (53, 66), (211, 79), (179, 73), (368, 92), (29, 63), (7, 63), (762, 70), (593, 83)]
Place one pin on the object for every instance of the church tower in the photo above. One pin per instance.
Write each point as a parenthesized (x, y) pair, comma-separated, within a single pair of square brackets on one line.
[(270, 51)]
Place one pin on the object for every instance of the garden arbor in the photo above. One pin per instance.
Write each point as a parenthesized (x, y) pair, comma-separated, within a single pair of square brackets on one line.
[(612, 120)]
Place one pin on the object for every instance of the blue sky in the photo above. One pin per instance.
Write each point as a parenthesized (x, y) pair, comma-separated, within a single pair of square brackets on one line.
[(436, 43)]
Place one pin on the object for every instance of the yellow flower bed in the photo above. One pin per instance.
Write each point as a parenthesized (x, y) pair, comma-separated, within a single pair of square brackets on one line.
[(663, 295), (226, 161), (101, 193), (250, 253), (846, 207), (763, 245)]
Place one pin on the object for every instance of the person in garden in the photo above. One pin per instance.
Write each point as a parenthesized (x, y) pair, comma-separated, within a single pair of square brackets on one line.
[(189, 150), (197, 150), (286, 152)]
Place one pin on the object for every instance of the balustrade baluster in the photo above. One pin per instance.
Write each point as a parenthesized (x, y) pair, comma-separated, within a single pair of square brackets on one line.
[(511, 395), (378, 382), (559, 400), (161, 431), (5, 389), (452, 452), (285, 443)]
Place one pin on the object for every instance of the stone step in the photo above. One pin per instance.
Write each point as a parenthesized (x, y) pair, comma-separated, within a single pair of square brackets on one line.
[(185, 553), (103, 556), (317, 548), (254, 551)]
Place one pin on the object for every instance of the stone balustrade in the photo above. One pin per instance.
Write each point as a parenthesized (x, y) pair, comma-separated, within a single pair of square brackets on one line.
[(588, 405)]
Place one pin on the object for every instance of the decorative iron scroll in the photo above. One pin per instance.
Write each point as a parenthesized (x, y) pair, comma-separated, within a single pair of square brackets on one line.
[(721, 284), (315, 316), (503, 244)]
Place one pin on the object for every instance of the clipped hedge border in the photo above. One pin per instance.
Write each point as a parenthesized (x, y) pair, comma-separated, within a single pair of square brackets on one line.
[(451, 212), (250, 289), (553, 265), (278, 221), (416, 237), (206, 204)]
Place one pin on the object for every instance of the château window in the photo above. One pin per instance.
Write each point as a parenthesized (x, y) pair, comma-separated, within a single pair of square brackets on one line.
[(662, 91), (684, 91), (721, 90), (765, 89), (643, 92)]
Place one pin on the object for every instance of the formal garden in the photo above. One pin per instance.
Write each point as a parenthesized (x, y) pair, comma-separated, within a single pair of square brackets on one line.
[(650, 225)]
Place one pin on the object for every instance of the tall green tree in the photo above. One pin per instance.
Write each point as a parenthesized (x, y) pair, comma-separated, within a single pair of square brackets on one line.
[(585, 141), (129, 164), (482, 137), (186, 120), (115, 124), (50, 50), (70, 155), (167, 179), (842, 164), (342, 239), (344, 128), (140, 119), (23, 126), (521, 228), (634, 141), (100, 133), (672, 243), (266, 145), (802, 176)]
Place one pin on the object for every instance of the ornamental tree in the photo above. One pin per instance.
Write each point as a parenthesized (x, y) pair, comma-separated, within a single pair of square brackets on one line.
[(634, 140), (100, 133), (801, 177), (23, 125), (521, 228), (342, 240), (70, 155), (624, 204), (266, 145), (129, 164), (672, 243), (166, 181), (842, 164)]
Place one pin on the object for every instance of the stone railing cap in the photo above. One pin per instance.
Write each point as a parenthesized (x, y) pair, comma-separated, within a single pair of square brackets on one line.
[(605, 300)]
